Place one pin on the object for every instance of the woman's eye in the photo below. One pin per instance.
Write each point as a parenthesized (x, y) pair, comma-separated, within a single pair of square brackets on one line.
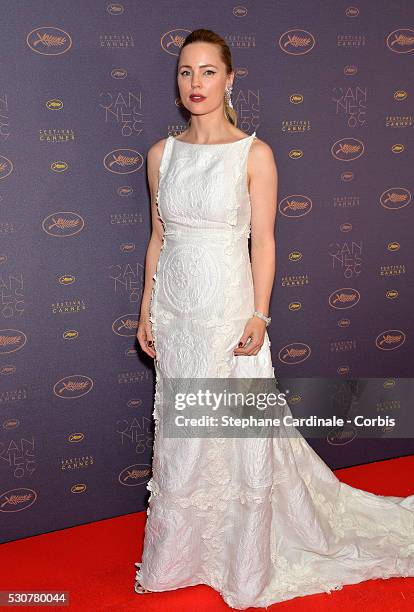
[(184, 72)]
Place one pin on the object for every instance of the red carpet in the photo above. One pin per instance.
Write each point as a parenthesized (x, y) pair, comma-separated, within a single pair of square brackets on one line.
[(95, 563)]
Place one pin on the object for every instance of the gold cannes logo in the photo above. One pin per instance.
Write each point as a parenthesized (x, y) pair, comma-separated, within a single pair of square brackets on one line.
[(344, 298), (76, 437), (352, 11), (59, 166), (294, 206), (49, 41), (135, 474), (297, 42), (400, 95), (123, 161), (54, 104), (350, 70), (10, 424), (342, 436), (347, 149), (6, 167), (72, 387), (296, 98), (295, 352), (11, 340), (70, 334), (172, 41), (125, 325), (16, 500), (114, 8), (395, 198), (63, 224), (401, 40), (390, 339)]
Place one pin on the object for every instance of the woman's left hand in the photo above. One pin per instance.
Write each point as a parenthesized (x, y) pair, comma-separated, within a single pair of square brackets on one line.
[(255, 329)]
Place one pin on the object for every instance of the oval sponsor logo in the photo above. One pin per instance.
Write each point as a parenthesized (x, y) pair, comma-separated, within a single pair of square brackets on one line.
[(395, 198), (343, 323), (11, 340), (127, 248), (125, 190), (401, 40), (76, 437), (72, 387), (390, 383), (352, 11), (125, 325), (296, 98), (114, 8), (294, 306), (345, 227), (390, 339), (123, 161), (297, 205), (342, 436), (347, 149), (16, 500), (62, 224), (398, 148), (59, 166), (11, 423), (391, 294), (343, 370), (400, 95), (67, 279), (135, 474), (49, 41), (7, 370), (130, 352), (54, 104), (6, 167), (172, 41), (134, 403), (346, 297), (70, 334), (80, 487), (119, 73), (294, 353), (295, 398), (347, 176), (295, 153), (3, 259), (393, 247), (350, 70), (241, 72), (240, 11), (295, 256), (297, 42)]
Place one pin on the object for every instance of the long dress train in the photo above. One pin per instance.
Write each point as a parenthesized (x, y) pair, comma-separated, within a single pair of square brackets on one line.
[(259, 520)]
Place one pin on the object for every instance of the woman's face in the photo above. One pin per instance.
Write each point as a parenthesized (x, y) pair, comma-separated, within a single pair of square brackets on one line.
[(202, 72)]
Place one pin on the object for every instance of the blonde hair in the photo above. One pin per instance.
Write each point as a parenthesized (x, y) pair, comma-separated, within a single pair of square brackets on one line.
[(209, 36)]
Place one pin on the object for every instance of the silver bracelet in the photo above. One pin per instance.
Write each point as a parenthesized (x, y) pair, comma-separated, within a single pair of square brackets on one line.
[(263, 317)]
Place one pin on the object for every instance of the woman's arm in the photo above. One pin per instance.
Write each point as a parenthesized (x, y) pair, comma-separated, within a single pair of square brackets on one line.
[(262, 171), (144, 334)]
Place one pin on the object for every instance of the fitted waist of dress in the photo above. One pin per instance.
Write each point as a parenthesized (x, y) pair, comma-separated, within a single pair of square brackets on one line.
[(226, 231)]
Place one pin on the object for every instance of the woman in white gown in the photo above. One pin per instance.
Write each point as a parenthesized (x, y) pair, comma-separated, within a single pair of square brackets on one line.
[(259, 520)]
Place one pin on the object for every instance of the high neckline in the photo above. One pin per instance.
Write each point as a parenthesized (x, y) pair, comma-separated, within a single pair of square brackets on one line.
[(213, 144)]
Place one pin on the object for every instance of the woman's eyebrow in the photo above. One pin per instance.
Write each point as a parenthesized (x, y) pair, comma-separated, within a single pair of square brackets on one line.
[(202, 66)]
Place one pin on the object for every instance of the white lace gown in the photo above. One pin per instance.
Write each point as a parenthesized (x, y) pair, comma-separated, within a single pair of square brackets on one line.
[(259, 520)]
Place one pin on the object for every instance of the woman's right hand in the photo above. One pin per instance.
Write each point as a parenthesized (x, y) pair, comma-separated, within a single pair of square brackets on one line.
[(144, 335)]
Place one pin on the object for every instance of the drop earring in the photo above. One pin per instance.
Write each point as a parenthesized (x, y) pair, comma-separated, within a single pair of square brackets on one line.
[(227, 96)]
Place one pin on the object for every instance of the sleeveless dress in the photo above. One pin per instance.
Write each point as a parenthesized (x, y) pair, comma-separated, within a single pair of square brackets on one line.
[(259, 520)]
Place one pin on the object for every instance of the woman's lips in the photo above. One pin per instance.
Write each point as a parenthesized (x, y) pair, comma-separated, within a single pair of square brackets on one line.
[(197, 98)]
